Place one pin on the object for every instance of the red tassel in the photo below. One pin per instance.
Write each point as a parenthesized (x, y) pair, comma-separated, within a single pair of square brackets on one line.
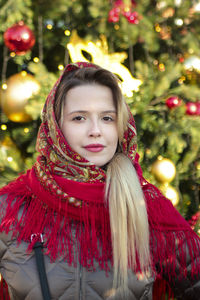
[(4, 295), (162, 290)]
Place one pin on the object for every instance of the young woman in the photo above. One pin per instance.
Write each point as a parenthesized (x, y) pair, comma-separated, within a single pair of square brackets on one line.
[(106, 232)]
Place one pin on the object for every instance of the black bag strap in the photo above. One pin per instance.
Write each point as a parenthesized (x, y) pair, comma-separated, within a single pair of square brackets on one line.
[(41, 267)]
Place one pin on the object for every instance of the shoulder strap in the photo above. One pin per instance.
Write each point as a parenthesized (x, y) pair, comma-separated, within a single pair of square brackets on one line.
[(41, 270)]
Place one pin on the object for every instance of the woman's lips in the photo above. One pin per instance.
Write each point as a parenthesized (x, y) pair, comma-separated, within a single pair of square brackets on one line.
[(94, 147)]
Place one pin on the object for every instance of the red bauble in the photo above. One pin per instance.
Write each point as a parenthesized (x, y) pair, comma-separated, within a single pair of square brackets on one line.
[(192, 108), (195, 218), (133, 18), (173, 102), (19, 38), (113, 15), (198, 108)]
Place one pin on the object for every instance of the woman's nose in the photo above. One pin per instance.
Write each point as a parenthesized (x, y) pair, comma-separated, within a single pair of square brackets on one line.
[(94, 129)]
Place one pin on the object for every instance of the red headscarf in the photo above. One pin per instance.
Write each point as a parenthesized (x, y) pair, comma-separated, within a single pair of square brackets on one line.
[(63, 197)]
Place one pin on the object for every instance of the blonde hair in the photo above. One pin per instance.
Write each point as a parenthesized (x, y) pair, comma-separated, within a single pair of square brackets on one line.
[(127, 208)]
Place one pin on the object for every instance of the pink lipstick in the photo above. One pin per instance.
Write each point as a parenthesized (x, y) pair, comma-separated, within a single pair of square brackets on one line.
[(94, 147)]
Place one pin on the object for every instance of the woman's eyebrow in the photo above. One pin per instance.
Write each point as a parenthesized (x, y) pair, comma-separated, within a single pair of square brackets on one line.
[(85, 111), (77, 111)]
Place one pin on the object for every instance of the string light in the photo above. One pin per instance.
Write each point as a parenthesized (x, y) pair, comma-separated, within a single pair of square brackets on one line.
[(12, 54), (49, 26), (60, 67), (181, 79), (26, 130), (36, 59), (161, 67), (157, 28), (3, 127), (23, 73), (67, 32), (178, 22), (4, 86)]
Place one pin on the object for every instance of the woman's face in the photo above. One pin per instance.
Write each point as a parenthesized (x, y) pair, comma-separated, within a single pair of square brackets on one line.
[(90, 122)]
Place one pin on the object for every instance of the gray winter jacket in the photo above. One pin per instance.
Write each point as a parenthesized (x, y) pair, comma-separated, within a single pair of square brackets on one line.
[(18, 268)]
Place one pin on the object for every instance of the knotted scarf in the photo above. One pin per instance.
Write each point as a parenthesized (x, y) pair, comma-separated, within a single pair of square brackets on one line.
[(62, 197)]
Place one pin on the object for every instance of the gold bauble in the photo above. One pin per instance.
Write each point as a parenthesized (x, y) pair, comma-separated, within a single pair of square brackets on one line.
[(10, 155), (20, 87), (163, 169), (170, 192)]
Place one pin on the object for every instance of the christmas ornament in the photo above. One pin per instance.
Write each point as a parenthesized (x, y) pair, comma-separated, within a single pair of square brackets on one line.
[(20, 87), (100, 56), (19, 38), (198, 108), (126, 10), (192, 108), (194, 220), (164, 170), (132, 17), (10, 155), (113, 15), (170, 192), (173, 102)]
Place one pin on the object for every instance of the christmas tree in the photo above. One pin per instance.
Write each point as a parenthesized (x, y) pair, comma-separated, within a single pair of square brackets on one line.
[(152, 46)]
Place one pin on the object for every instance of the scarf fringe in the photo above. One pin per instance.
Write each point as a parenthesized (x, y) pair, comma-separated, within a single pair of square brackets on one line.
[(4, 294), (174, 249), (162, 290), (84, 239)]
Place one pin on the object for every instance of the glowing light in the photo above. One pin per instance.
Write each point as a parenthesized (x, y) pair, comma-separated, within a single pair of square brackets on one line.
[(181, 79), (4, 86), (161, 67), (178, 22), (36, 59), (3, 127), (25, 36), (26, 130), (12, 54), (100, 56), (157, 28), (178, 2), (193, 108), (60, 67), (197, 7), (193, 62), (67, 32), (9, 158), (23, 73), (49, 26)]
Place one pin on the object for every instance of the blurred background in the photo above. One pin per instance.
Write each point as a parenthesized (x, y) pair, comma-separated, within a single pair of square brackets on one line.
[(154, 49)]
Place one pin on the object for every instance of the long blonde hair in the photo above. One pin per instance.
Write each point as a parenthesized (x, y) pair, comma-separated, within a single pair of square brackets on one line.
[(127, 208)]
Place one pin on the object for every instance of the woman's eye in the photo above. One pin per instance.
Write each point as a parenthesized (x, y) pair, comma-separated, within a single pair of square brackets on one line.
[(108, 119), (78, 118)]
